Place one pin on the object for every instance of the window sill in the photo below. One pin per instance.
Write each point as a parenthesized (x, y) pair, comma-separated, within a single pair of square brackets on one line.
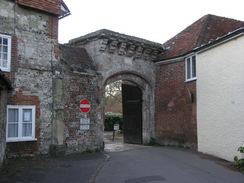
[(21, 140), (189, 80), (5, 69)]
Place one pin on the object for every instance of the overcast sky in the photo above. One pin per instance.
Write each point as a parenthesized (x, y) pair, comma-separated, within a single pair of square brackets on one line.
[(154, 20)]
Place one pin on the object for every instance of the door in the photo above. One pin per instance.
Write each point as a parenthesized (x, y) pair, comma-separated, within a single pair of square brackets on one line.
[(132, 113)]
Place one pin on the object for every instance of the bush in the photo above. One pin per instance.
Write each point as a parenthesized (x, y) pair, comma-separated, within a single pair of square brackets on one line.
[(110, 120), (240, 162)]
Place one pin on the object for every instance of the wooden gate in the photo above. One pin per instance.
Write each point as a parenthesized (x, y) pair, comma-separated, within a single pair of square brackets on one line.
[(132, 113)]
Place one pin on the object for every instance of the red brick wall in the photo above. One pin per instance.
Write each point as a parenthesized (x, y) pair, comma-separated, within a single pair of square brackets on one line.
[(77, 87), (175, 109), (25, 147)]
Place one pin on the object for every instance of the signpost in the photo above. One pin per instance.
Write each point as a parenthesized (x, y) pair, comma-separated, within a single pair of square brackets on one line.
[(85, 107)]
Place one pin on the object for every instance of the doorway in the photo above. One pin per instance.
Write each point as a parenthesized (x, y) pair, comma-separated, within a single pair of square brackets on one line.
[(130, 97), (132, 113)]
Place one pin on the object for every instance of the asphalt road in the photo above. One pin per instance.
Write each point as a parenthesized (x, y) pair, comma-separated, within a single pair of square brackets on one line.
[(122, 163), (143, 164)]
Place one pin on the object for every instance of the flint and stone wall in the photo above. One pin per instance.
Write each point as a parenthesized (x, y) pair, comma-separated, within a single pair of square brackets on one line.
[(3, 112), (34, 53)]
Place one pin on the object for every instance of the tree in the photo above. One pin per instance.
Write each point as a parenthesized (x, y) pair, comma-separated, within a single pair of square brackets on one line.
[(113, 97)]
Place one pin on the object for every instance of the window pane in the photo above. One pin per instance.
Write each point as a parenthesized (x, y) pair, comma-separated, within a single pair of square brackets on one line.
[(27, 125), (4, 63), (188, 68), (27, 130), (13, 115), (13, 130), (5, 56), (5, 49), (194, 66), (1, 40), (27, 115), (5, 41)]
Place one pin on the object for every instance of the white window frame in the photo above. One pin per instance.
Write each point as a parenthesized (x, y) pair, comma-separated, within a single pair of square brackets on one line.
[(20, 123), (189, 68), (7, 68)]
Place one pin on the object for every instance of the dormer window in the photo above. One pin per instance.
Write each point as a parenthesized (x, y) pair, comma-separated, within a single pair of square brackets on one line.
[(190, 64)]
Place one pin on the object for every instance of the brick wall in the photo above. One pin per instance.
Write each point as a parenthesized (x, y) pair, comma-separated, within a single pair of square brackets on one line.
[(78, 87), (19, 148), (175, 106)]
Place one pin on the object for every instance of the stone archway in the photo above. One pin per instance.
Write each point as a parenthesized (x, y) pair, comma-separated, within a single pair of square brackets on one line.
[(122, 57)]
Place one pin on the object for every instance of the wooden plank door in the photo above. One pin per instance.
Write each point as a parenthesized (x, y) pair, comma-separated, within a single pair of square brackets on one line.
[(132, 113)]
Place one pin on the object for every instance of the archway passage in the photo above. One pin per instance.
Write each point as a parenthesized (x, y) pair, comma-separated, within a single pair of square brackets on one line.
[(132, 113)]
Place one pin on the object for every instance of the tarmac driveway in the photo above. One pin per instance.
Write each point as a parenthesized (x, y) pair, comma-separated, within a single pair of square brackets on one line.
[(122, 163), (143, 164)]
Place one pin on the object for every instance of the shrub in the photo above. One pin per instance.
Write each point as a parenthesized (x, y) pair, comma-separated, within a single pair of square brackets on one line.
[(240, 162), (110, 120)]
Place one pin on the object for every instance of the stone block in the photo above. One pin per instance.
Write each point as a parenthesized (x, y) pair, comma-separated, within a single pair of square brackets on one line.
[(58, 150)]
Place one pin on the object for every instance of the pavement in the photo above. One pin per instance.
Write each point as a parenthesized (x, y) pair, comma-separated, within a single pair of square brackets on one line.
[(121, 162)]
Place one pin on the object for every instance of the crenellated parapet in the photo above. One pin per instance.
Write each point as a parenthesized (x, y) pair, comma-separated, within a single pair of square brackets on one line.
[(121, 44)]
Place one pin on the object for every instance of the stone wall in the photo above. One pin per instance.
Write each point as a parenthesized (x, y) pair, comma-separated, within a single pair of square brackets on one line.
[(5, 88), (175, 106), (3, 107), (3, 104)]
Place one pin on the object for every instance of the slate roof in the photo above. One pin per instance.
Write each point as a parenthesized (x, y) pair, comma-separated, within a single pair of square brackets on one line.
[(76, 59), (208, 28)]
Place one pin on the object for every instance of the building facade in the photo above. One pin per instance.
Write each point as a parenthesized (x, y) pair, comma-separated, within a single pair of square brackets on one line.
[(220, 101), (176, 95), (29, 52), (41, 114)]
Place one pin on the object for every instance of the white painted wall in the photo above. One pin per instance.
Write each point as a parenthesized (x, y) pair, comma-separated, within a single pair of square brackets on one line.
[(220, 99)]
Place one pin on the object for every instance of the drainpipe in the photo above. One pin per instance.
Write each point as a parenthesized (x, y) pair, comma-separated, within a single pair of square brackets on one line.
[(53, 76)]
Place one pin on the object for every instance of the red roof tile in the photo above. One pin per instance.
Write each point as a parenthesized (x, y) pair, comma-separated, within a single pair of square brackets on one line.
[(51, 6), (207, 28)]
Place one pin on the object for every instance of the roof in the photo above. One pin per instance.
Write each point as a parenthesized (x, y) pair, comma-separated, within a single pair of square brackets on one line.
[(105, 34), (57, 7), (76, 59), (4, 81), (207, 28), (220, 40), (129, 46)]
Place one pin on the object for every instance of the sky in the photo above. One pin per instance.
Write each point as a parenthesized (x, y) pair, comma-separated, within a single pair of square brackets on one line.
[(153, 20)]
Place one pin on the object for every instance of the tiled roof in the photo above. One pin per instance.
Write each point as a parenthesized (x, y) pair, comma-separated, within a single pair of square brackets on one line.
[(76, 59), (207, 28), (57, 7)]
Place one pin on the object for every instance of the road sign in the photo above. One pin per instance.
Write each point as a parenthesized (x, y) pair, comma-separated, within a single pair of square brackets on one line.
[(85, 106)]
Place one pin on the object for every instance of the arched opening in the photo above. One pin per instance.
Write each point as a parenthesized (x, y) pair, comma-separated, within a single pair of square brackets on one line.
[(138, 108), (123, 112)]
